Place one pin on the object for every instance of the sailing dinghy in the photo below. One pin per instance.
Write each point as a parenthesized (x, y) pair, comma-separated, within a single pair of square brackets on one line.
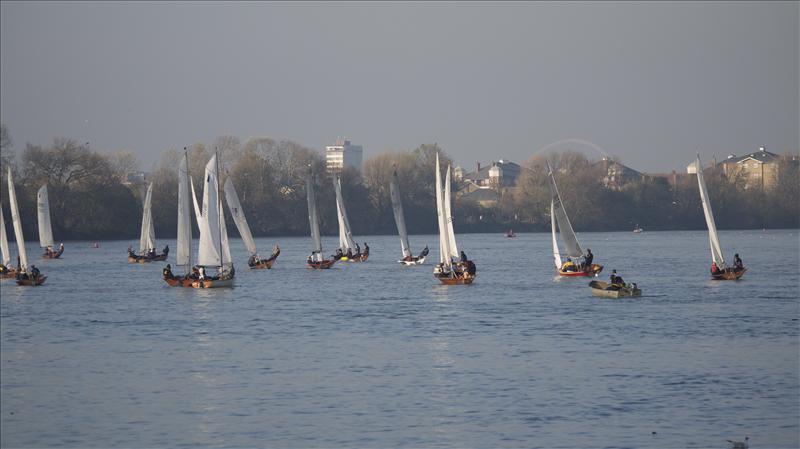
[(346, 244), (316, 260), (558, 215), (183, 252), (399, 219), (45, 227), (448, 271), (26, 275), (235, 208), (722, 272), (147, 237)]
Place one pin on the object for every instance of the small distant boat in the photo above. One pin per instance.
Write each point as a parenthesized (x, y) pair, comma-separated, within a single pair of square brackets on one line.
[(510, 234), (147, 237), (45, 227), (6, 270), (316, 259), (235, 208), (603, 289), (347, 245), (446, 271), (638, 230), (724, 272), (558, 215), (27, 276), (399, 219)]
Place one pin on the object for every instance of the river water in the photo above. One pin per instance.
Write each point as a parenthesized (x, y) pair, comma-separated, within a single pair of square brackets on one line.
[(379, 355)]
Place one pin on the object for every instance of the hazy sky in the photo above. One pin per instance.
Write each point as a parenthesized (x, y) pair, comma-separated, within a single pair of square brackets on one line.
[(648, 82)]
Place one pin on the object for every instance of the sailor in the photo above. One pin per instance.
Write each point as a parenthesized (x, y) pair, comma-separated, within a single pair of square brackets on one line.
[(366, 249), (568, 265), (588, 258), (201, 273), (714, 268), (34, 271), (424, 252), (349, 253), (463, 257), (471, 268), (616, 280), (358, 250), (339, 254), (252, 260), (737, 262), (167, 272), (166, 250), (275, 251)]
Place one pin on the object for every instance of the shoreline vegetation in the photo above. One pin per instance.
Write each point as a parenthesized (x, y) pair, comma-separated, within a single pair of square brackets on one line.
[(91, 197)]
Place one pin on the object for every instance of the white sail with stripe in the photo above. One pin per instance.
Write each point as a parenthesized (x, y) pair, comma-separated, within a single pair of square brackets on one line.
[(568, 237), (451, 235), (43, 209), (345, 234), (147, 237), (235, 208), (444, 240), (556, 254), (713, 238)]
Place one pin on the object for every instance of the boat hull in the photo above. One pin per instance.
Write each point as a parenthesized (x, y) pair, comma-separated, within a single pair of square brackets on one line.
[(455, 279), (594, 270), (53, 255), (143, 259), (264, 264), (729, 274), (324, 265), (10, 274), (32, 282), (601, 289), (179, 282), (413, 261), (212, 283)]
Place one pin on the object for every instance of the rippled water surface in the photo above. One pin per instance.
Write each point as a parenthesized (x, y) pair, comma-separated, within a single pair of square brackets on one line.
[(379, 355)]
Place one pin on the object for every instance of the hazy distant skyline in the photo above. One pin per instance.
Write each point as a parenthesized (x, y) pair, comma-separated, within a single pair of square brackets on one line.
[(651, 83)]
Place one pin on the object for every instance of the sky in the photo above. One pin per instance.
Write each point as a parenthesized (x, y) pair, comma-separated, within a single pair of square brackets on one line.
[(651, 83)]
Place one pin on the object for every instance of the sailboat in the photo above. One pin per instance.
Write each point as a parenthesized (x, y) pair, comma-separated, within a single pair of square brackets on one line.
[(183, 252), (235, 207), (573, 249), (6, 271), (346, 243), (723, 272), (447, 271), (29, 276), (399, 219), (316, 260), (45, 227), (147, 237)]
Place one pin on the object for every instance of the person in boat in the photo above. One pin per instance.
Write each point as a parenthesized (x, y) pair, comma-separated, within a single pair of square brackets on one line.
[(166, 250), (349, 253), (714, 268), (366, 249), (252, 260), (201, 273), (339, 254), (34, 272), (569, 265), (463, 257), (737, 262), (167, 272), (358, 250), (130, 251), (3, 269), (424, 252), (616, 281), (275, 251), (588, 258), (471, 268)]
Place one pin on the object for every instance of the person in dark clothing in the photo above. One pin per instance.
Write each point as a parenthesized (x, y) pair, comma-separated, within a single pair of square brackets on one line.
[(166, 250), (463, 257), (424, 252), (349, 253), (366, 249), (616, 280), (35, 272), (358, 250), (339, 254), (737, 262), (252, 261), (471, 268), (167, 272), (588, 258), (275, 251)]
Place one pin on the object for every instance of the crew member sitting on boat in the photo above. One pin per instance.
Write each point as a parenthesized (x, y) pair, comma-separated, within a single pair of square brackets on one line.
[(275, 251), (424, 252), (737, 262), (168, 272), (130, 252), (588, 258), (616, 281), (358, 251), (366, 249), (569, 265), (714, 268), (166, 250)]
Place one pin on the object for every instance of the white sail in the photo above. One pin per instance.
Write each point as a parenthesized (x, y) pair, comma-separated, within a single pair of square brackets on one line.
[(45, 228), (449, 217), (313, 220), (444, 242), (235, 207), (210, 241), (147, 238), (5, 255), (399, 219), (183, 253), (713, 239), (564, 226), (15, 218), (223, 233), (556, 254), (198, 213), (345, 235)]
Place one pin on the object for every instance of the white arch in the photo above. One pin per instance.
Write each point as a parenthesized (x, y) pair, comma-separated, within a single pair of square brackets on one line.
[(575, 140)]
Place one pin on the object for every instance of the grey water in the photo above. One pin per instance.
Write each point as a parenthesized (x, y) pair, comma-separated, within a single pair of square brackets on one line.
[(379, 355)]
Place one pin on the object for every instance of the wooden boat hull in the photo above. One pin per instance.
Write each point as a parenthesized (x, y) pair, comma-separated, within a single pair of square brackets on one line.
[(455, 279), (414, 261), (10, 274), (729, 274), (324, 265), (212, 283), (264, 264), (179, 282), (359, 258), (53, 255), (600, 289), (32, 282), (594, 270), (142, 259)]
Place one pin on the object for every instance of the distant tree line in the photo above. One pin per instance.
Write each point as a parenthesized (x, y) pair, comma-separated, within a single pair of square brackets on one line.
[(89, 198)]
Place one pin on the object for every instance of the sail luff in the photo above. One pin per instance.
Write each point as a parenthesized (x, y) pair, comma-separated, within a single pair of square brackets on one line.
[(451, 235), (147, 237), (345, 234), (235, 208), (399, 218), (43, 209), (564, 226), (209, 248), (556, 254), (713, 238), (15, 218), (313, 220), (183, 253), (5, 255), (444, 251)]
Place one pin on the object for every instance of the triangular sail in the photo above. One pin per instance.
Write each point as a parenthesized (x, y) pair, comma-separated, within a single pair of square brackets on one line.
[(444, 242), (43, 208), (556, 254), (399, 219), (147, 238), (345, 235), (183, 254), (713, 239), (210, 241), (313, 220), (5, 255), (235, 207), (15, 218), (451, 235), (564, 226)]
